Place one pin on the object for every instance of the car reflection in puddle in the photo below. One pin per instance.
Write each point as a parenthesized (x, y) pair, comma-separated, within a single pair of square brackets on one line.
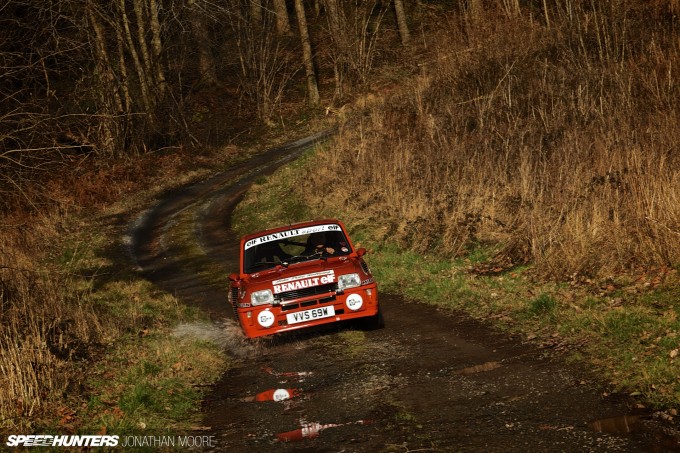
[(313, 430), (273, 395)]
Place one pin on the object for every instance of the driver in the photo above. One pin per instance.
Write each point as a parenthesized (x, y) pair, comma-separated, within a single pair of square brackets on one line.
[(317, 244)]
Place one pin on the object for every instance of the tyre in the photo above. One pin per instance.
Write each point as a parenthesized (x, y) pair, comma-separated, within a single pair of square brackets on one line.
[(374, 322)]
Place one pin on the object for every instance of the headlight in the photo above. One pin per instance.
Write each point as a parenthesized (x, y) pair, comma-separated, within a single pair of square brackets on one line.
[(348, 281), (262, 297)]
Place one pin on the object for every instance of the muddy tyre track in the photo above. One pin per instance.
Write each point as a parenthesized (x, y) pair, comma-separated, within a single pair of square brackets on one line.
[(432, 380)]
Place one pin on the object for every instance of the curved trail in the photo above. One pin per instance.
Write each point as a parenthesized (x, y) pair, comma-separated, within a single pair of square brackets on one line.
[(430, 381), (154, 255)]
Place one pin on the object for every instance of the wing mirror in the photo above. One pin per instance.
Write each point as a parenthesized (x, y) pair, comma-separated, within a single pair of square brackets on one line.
[(361, 252), (233, 277)]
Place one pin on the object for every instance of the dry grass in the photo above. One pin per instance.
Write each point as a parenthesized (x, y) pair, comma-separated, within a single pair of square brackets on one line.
[(625, 328), (556, 144), (45, 328), (58, 314)]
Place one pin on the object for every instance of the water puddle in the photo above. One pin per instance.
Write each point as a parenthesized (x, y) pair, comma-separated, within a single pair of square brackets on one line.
[(488, 366), (273, 395), (617, 425), (295, 374), (627, 424), (313, 430)]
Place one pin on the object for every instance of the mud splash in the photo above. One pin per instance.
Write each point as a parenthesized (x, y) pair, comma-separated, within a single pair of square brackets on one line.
[(227, 336)]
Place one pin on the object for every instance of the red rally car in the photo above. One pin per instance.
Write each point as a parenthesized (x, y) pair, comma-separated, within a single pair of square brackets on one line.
[(302, 275)]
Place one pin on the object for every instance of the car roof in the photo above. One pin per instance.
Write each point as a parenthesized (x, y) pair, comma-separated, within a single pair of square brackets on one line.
[(291, 226)]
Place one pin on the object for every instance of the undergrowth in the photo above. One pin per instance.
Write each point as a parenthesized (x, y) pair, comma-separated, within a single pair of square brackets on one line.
[(545, 142), (75, 320)]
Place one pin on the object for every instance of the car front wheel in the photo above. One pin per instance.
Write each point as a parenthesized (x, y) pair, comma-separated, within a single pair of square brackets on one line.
[(374, 322)]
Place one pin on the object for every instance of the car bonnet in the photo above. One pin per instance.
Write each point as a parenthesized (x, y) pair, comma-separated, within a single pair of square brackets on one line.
[(307, 274)]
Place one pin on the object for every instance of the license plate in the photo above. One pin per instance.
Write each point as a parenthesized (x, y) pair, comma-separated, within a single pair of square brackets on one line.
[(310, 315)]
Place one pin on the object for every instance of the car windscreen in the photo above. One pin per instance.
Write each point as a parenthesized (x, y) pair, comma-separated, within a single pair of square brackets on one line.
[(294, 246)]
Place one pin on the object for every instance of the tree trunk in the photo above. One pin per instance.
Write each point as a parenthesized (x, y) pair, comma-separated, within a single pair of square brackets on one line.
[(255, 11), (206, 62), (157, 48), (282, 21), (312, 87), (143, 83), (401, 22), (104, 66), (333, 17), (124, 79), (141, 41), (511, 8), (339, 51), (474, 9), (108, 92)]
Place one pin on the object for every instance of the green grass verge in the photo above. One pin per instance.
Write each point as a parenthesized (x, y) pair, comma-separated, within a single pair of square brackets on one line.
[(152, 384), (267, 205), (140, 378), (630, 331)]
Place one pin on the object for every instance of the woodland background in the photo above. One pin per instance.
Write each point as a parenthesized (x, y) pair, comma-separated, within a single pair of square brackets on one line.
[(545, 133)]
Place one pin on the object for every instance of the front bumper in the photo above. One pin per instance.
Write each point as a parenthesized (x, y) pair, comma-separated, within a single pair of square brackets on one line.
[(351, 304)]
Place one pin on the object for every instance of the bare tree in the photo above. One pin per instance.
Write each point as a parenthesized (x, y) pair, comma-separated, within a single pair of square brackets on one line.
[(255, 11), (142, 75), (156, 47), (339, 44), (402, 23), (110, 97), (353, 32), (511, 7), (41, 121), (266, 67), (199, 30), (282, 20), (547, 15), (312, 87)]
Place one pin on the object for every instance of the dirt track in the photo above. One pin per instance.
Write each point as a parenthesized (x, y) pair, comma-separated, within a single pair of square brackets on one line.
[(430, 381)]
